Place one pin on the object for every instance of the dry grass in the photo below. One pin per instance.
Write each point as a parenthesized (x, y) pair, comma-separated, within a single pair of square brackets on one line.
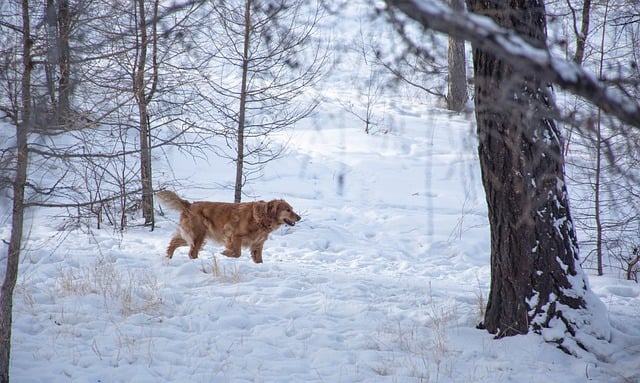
[(130, 292), (424, 345), (222, 273)]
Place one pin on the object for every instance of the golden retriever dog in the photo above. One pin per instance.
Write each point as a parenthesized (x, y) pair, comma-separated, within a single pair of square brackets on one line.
[(234, 225)]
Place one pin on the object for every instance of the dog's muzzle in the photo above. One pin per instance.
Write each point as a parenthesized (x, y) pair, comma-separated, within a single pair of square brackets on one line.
[(290, 222)]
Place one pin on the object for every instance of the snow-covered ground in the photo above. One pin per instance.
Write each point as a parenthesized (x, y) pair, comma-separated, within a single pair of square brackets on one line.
[(383, 280)]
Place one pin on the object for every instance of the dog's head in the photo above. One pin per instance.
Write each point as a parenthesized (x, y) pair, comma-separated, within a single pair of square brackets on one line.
[(282, 212)]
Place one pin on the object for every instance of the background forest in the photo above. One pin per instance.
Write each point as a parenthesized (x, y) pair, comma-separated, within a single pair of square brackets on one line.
[(353, 112)]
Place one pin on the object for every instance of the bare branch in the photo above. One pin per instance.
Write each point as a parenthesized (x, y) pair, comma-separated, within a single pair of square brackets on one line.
[(505, 44)]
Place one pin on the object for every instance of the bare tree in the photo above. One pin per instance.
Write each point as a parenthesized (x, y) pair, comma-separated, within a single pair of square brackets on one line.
[(57, 65), (582, 34), (145, 82), (23, 122), (265, 60), (33, 56), (370, 85), (132, 104), (598, 138), (603, 153)]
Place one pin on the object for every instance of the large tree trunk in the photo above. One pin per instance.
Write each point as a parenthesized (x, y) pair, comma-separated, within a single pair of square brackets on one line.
[(15, 241), (536, 281), (457, 94)]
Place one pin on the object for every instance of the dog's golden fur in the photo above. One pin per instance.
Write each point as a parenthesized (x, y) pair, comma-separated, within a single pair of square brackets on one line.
[(234, 225)]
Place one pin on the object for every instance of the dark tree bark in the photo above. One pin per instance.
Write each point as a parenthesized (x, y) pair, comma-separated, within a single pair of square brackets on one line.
[(536, 281), (58, 19), (457, 94), (581, 36), (51, 15), (64, 60), (15, 241), (143, 95), (243, 104)]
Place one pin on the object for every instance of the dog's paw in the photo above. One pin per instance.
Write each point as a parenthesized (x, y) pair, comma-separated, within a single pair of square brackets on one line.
[(230, 253)]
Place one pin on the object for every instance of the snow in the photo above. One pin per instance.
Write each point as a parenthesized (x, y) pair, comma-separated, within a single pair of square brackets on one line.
[(384, 279), (359, 291)]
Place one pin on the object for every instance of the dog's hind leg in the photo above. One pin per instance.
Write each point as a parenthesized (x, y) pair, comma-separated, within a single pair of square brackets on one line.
[(232, 243), (196, 246), (233, 247), (176, 241)]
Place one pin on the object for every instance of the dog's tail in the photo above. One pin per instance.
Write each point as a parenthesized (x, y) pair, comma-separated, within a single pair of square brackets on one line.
[(172, 201)]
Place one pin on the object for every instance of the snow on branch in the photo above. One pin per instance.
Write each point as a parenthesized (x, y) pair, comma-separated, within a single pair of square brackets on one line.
[(507, 45)]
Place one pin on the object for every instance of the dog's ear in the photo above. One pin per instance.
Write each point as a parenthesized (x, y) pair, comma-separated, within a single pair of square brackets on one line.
[(259, 210), (273, 206)]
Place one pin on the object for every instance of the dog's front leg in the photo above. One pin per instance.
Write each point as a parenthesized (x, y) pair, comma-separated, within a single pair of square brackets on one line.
[(233, 247), (256, 253)]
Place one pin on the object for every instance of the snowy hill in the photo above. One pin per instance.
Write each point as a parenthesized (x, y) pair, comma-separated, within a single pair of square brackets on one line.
[(383, 280)]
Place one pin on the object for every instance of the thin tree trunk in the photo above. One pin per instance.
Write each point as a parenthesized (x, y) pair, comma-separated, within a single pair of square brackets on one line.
[(58, 55), (142, 99), (581, 38), (64, 60), (13, 254), (15, 241), (598, 170), (243, 102), (52, 50), (596, 200), (145, 166), (457, 94)]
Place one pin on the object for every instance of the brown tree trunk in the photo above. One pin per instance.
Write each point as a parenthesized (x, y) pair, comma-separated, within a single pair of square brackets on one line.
[(535, 278), (52, 50), (15, 241), (58, 21), (143, 99), (64, 60), (243, 102), (581, 37), (457, 94), (599, 141), (145, 166)]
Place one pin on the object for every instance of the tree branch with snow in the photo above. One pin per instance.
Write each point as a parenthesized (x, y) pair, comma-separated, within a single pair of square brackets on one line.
[(507, 45)]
